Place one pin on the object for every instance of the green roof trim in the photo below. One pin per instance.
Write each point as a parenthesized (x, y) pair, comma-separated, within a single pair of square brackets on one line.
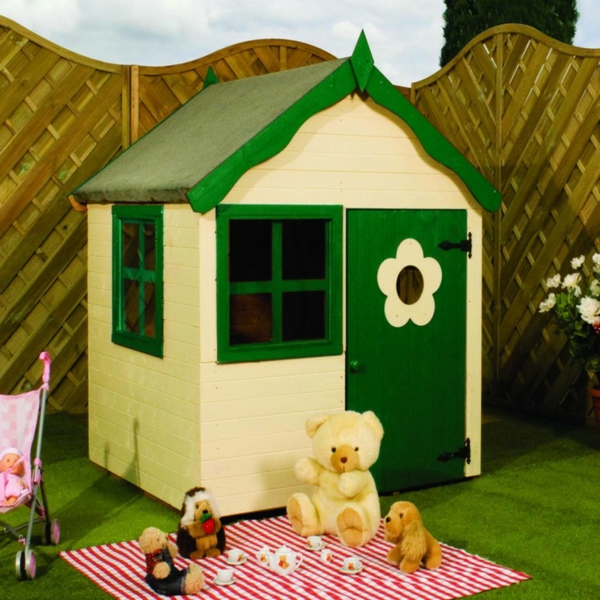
[(360, 72), (435, 144), (201, 150)]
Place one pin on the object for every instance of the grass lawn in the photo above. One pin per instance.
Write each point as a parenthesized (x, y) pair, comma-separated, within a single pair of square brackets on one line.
[(536, 509)]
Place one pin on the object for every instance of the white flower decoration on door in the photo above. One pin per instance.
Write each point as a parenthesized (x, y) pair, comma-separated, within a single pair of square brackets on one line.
[(409, 282)]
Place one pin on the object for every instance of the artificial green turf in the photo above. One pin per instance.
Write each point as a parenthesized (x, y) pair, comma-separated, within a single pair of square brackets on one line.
[(92, 507), (536, 509)]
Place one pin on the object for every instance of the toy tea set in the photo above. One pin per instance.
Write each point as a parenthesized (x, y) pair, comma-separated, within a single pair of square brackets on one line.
[(346, 504), (284, 560)]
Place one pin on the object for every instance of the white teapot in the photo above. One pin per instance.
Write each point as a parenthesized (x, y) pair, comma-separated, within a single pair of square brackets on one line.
[(284, 561)]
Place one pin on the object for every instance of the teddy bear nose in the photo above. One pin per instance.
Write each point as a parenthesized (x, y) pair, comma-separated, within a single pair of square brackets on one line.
[(344, 459), (205, 511)]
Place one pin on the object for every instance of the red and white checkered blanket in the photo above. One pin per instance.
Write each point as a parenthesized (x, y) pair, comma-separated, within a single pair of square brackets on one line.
[(119, 569)]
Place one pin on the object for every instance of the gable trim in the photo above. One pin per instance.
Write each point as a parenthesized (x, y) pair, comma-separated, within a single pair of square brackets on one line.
[(357, 73), (382, 91)]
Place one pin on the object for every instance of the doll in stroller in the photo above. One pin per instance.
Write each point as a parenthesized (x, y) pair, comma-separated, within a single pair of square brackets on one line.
[(12, 472), (21, 473)]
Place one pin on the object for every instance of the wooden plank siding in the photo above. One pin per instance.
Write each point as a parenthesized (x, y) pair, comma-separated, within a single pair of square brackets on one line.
[(525, 109), (144, 418), (252, 415), (63, 116)]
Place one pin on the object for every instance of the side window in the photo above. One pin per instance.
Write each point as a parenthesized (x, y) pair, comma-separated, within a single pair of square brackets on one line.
[(279, 282), (138, 278)]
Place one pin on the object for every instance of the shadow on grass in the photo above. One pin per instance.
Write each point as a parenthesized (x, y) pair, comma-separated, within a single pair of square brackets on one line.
[(519, 440)]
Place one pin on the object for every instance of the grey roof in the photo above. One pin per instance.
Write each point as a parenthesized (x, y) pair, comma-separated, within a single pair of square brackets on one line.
[(172, 158)]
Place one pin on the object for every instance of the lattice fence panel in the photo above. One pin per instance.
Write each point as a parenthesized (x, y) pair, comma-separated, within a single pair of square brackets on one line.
[(546, 161), (161, 91), (62, 118)]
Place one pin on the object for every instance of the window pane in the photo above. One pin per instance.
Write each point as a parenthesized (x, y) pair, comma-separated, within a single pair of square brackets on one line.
[(132, 306), (149, 247), (131, 245), (137, 294), (150, 310), (250, 318), (303, 248), (249, 250), (303, 315)]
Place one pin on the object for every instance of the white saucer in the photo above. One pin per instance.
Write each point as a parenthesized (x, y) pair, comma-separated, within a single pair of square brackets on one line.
[(351, 571), (236, 562), (315, 548), (217, 582)]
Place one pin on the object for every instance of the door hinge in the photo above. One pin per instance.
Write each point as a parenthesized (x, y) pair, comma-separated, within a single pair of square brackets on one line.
[(463, 453), (463, 245)]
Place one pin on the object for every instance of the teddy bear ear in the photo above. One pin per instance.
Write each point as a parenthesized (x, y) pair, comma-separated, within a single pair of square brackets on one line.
[(315, 422), (370, 418)]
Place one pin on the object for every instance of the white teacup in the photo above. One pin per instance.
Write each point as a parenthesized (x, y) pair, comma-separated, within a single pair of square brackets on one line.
[(314, 541), (326, 555), (352, 563), (263, 556), (225, 575), (234, 555)]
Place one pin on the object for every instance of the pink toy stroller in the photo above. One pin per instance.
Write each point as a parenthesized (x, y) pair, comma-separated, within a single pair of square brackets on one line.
[(20, 416)]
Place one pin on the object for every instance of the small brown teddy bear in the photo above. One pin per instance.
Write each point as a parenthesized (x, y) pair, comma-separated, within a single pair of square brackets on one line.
[(200, 532), (404, 527), (161, 574)]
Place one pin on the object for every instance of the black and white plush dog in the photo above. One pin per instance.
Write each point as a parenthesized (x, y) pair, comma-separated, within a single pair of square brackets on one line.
[(200, 532)]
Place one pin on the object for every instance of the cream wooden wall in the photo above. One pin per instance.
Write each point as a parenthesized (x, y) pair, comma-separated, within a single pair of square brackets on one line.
[(143, 411), (166, 425), (253, 414)]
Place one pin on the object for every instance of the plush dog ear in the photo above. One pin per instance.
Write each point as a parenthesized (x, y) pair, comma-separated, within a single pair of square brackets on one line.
[(414, 540)]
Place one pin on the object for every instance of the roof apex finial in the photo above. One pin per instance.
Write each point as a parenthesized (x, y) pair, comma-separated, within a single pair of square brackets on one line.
[(211, 77), (362, 61)]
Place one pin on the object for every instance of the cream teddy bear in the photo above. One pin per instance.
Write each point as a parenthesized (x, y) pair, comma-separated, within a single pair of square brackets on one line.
[(345, 502)]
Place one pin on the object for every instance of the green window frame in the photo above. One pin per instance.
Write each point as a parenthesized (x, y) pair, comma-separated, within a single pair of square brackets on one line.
[(293, 311), (138, 290)]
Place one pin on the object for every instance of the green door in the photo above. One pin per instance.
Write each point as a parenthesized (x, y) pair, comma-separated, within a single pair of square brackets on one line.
[(411, 375)]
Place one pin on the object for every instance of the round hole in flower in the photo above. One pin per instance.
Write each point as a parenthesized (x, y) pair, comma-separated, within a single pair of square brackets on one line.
[(409, 284)]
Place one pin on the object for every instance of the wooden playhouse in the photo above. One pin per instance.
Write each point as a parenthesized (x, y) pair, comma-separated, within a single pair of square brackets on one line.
[(281, 245)]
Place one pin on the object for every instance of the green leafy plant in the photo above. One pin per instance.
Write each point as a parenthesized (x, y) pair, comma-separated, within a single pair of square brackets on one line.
[(575, 306)]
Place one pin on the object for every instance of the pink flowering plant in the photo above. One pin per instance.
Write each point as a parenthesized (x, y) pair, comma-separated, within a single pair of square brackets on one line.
[(575, 304)]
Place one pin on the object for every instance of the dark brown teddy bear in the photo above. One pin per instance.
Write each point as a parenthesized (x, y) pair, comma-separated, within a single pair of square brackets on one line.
[(161, 574), (200, 531)]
